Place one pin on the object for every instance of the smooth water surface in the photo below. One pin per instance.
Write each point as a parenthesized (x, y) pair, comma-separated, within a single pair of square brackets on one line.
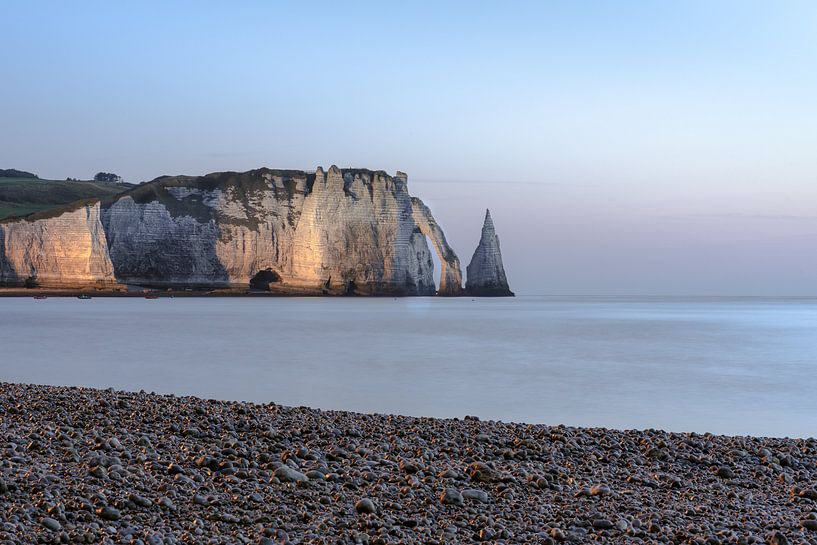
[(732, 365)]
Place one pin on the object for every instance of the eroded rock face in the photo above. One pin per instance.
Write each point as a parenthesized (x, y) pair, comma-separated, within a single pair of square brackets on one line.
[(450, 275), (336, 231), (486, 274), (340, 231), (69, 249), (148, 245), (356, 233)]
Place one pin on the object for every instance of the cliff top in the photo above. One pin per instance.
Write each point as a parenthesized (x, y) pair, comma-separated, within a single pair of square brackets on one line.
[(34, 198), (14, 173)]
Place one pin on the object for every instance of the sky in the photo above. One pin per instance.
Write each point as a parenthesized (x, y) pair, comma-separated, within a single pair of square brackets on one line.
[(630, 147)]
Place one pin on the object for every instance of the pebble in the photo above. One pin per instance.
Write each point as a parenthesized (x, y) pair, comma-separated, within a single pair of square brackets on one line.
[(365, 506), (725, 472), (141, 501), (599, 490), (51, 524), (451, 496), (603, 524), (108, 513), (288, 475), (170, 470), (473, 494), (481, 472)]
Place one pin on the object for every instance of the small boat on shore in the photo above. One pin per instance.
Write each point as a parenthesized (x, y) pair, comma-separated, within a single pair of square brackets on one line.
[(40, 297), (151, 296), (84, 296)]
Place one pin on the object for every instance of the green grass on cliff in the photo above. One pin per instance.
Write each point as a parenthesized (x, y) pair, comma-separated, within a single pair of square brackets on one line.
[(244, 187), (21, 196)]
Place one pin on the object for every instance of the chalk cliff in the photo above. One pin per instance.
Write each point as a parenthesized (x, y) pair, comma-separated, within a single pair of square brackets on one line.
[(450, 275), (337, 231), (68, 249), (485, 273)]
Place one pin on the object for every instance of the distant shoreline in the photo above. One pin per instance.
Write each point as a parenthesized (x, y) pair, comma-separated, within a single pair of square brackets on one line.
[(152, 465), (217, 292)]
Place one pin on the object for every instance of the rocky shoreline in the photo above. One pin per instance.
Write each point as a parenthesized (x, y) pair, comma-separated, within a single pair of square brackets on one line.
[(79, 465), (165, 293), (222, 292)]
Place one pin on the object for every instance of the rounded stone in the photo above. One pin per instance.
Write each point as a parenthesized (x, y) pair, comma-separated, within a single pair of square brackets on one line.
[(288, 475), (108, 513), (51, 524), (365, 506), (451, 496)]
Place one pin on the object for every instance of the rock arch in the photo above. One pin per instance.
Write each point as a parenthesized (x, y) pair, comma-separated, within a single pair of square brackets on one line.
[(262, 279), (450, 273)]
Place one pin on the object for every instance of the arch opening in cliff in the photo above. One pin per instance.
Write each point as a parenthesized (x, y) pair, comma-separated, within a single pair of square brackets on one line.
[(436, 264), (450, 274), (262, 280)]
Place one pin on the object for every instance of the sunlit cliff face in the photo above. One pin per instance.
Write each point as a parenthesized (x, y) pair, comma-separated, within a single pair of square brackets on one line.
[(370, 216), (69, 249), (333, 231)]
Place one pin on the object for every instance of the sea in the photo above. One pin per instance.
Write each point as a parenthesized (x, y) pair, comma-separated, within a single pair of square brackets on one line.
[(736, 366)]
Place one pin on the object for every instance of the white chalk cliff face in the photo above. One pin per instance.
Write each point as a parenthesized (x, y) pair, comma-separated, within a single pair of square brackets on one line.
[(335, 231), (485, 273), (356, 232), (450, 275), (68, 249)]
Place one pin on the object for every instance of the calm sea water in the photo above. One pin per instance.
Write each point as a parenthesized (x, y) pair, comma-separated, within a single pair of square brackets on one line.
[(734, 366)]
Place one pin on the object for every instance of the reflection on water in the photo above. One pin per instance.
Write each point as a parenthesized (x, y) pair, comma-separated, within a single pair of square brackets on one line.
[(729, 365)]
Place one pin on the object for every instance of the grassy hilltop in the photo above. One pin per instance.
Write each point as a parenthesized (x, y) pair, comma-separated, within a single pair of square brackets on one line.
[(21, 195)]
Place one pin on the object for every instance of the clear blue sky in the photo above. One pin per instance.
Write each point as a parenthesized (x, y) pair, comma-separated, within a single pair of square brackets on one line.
[(623, 147)]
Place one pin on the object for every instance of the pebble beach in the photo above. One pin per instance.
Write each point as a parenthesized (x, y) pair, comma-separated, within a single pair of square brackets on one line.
[(79, 465)]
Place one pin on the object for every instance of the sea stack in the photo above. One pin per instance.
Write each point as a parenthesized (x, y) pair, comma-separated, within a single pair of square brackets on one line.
[(486, 274)]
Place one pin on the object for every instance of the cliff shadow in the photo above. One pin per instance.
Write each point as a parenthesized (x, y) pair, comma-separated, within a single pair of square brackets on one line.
[(8, 275), (150, 246)]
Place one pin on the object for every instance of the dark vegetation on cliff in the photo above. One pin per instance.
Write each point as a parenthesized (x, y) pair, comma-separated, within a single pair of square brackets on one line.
[(14, 173), (244, 187), (24, 194), (20, 196)]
